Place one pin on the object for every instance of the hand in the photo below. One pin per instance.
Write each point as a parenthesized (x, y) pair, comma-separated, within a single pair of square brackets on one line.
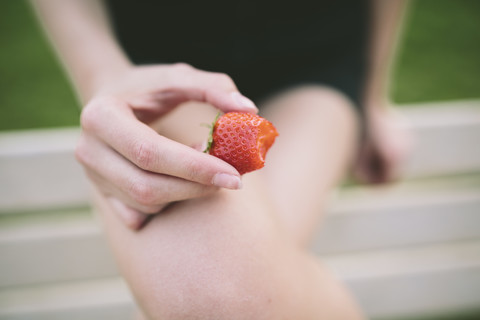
[(387, 144), (139, 170)]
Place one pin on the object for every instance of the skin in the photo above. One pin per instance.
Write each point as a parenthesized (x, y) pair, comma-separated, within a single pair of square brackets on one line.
[(235, 254), (126, 158), (193, 239), (385, 140)]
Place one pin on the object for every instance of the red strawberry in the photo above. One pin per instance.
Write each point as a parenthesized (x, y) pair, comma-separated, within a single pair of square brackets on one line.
[(242, 140)]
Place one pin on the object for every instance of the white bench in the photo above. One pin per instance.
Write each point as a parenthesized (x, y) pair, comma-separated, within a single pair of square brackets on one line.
[(411, 249)]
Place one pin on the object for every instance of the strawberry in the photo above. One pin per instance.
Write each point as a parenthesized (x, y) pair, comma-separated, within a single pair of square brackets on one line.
[(242, 140)]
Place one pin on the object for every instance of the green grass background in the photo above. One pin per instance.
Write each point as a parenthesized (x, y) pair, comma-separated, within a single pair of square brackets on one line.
[(439, 54), (33, 90), (439, 59)]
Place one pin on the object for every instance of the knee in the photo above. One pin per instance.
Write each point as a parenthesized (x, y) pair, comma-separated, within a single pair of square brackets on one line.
[(221, 271), (209, 286), (203, 294), (319, 101), (323, 98)]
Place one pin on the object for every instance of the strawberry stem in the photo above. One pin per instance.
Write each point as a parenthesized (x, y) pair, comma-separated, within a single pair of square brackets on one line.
[(210, 135)]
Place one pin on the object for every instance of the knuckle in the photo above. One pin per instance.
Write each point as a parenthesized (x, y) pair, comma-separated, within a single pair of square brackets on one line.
[(182, 66), (89, 118), (144, 155), (142, 193), (195, 170), (94, 112), (223, 79), (81, 151)]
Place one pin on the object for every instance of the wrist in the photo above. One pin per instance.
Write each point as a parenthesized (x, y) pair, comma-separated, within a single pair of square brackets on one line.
[(99, 75)]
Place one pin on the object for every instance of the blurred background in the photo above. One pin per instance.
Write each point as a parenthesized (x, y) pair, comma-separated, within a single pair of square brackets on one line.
[(408, 251), (438, 60)]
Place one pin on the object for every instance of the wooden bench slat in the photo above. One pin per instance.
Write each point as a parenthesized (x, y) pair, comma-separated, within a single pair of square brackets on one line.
[(50, 247), (411, 213), (104, 298), (416, 281), (38, 171)]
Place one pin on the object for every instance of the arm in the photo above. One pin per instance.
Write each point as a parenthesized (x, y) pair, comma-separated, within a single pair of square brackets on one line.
[(387, 17), (132, 165), (386, 142), (82, 38)]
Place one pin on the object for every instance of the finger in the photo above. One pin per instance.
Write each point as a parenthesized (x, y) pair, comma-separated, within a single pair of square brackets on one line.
[(133, 219), (217, 89), (364, 173), (224, 100), (369, 167), (378, 169), (229, 101), (142, 190), (108, 189), (113, 121), (200, 146)]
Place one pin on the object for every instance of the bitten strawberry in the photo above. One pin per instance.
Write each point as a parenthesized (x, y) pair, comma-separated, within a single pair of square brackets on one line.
[(242, 140)]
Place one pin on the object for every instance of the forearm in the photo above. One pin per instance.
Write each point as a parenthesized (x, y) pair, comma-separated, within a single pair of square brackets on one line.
[(385, 25), (81, 35)]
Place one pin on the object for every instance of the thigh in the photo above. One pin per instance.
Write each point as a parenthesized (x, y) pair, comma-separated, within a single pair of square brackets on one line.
[(223, 257), (318, 135), (219, 257)]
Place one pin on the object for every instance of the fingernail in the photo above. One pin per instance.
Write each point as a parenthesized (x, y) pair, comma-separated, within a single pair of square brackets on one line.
[(244, 102), (225, 180)]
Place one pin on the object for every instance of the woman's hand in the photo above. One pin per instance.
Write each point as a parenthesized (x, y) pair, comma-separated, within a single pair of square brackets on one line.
[(387, 143), (139, 170)]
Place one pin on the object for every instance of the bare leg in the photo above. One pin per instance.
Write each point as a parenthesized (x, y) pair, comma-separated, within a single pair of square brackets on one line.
[(227, 256), (318, 131)]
